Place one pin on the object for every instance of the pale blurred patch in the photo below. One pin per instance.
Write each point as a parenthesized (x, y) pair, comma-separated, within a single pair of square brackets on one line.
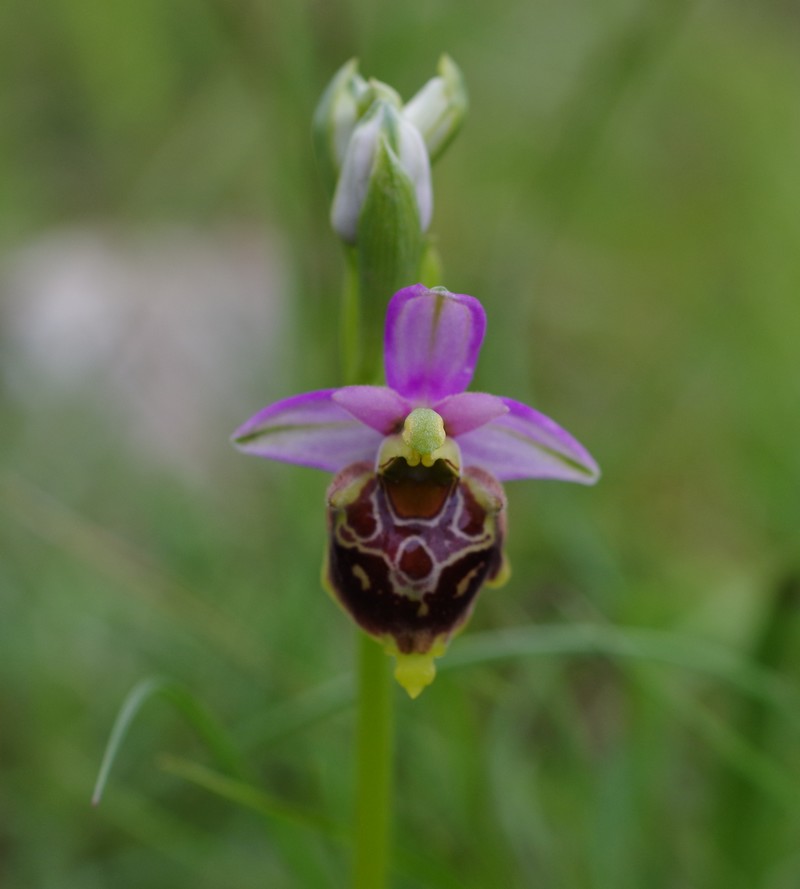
[(165, 328)]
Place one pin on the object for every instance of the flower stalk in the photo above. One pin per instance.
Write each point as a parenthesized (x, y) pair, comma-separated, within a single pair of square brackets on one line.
[(374, 770)]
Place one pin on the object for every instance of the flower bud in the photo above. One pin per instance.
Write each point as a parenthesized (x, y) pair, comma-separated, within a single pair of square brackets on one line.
[(336, 117), (438, 109), (382, 137)]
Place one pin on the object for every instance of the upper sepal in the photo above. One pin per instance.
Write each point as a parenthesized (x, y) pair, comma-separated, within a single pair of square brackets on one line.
[(432, 342)]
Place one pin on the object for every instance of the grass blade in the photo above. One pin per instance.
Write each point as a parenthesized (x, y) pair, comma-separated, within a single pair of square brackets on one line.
[(206, 727), (675, 649)]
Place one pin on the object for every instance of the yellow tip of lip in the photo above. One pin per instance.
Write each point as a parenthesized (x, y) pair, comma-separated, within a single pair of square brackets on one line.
[(415, 672)]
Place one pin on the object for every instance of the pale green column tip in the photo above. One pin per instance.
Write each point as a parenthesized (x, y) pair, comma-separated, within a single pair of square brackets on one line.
[(423, 432)]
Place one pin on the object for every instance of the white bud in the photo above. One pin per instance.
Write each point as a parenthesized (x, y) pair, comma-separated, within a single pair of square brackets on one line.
[(336, 117), (382, 123), (414, 159), (438, 109)]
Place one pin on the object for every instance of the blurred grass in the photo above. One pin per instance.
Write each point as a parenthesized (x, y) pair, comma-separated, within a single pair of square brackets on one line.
[(624, 200)]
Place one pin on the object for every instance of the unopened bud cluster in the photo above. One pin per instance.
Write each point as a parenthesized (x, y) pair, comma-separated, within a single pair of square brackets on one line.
[(367, 139)]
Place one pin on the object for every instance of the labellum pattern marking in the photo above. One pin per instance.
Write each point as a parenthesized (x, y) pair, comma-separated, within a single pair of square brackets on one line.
[(403, 570)]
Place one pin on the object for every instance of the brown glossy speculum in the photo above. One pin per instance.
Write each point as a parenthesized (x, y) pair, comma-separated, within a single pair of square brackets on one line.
[(418, 491)]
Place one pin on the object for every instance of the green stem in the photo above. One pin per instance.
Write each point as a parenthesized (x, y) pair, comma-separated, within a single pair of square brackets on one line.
[(351, 324), (386, 257), (374, 736), (374, 727)]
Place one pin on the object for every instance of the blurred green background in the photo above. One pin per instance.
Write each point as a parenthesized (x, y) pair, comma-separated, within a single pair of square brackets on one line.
[(624, 199)]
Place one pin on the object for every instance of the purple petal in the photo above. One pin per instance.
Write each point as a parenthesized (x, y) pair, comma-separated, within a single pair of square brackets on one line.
[(432, 343), (527, 444), (469, 410), (310, 430), (377, 406)]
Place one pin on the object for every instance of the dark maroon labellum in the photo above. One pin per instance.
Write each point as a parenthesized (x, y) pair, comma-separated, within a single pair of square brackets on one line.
[(410, 548)]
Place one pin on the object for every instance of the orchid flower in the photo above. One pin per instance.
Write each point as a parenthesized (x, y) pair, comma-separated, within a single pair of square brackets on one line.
[(416, 510)]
